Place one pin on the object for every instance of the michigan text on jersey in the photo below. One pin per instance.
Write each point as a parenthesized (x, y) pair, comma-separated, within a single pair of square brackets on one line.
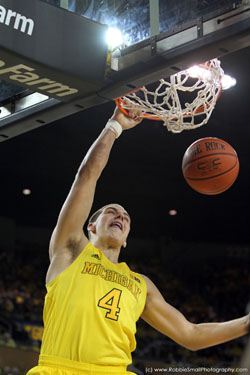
[(97, 269)]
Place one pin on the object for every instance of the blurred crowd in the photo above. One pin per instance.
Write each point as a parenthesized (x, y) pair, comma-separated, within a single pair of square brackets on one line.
[(206, 292), (8, 370), (22, 283)]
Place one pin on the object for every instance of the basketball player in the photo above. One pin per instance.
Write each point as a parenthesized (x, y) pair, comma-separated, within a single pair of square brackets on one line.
[(93, 301)]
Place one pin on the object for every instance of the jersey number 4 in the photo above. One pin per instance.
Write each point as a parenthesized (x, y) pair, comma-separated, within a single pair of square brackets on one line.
[(110, 302)]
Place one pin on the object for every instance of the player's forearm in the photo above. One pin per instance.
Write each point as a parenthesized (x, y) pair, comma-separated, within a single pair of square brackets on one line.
[(209, 334), (97, 156)]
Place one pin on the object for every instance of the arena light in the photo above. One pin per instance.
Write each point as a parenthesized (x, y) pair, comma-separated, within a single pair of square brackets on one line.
[(114, 37), (26, 191), (172, 212), (199, 72), (228, 81)]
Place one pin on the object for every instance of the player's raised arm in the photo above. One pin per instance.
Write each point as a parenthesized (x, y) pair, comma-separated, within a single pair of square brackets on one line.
[(169, 321), (68, 231)]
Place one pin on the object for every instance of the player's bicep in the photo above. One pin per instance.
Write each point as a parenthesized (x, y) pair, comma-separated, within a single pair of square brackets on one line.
[(74, 213)]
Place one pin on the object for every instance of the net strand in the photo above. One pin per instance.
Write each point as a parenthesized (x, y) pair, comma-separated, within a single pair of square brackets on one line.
[(165, 102)]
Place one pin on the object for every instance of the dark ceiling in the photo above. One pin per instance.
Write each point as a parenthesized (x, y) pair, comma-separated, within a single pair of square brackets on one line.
[(144, 171)]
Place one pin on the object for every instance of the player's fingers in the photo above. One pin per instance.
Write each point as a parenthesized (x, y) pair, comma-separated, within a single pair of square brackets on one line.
[(134, 113), (137, 120)]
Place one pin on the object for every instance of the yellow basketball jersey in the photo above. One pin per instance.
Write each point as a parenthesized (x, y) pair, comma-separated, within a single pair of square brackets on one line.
[(91, 310)]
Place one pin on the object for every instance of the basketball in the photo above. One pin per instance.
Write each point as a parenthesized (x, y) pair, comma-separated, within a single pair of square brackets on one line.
[(210, 165)]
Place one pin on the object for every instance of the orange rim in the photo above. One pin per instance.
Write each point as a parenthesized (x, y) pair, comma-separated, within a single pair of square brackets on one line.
[(198, 111)]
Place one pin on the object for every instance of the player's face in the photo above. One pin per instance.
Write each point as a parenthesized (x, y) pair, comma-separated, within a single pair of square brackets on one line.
[(114, 224)]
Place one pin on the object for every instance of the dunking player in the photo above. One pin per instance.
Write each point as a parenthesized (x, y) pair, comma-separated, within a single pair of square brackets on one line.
[(93, 302)]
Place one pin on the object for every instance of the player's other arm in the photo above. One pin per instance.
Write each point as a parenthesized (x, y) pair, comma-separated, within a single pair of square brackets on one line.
[(169, 321), (68, 232)]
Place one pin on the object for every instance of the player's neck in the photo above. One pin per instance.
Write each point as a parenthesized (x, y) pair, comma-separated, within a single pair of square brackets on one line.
[(111, 252)]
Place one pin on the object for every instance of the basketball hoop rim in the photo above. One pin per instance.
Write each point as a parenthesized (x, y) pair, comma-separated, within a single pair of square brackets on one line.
[(197, 112)]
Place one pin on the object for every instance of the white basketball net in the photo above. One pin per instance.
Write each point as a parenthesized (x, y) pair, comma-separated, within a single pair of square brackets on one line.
[(164, 101)]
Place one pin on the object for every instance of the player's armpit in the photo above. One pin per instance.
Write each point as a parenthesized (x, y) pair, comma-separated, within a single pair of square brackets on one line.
[(68, 232), (75, 210)]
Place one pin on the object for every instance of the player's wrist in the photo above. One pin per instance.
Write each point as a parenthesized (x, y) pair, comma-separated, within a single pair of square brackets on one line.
[(115, 127)]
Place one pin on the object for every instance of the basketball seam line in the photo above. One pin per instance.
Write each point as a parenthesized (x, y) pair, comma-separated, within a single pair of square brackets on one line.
[(208, 178), (204, 156)]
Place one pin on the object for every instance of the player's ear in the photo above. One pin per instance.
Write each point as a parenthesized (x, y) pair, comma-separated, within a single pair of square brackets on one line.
[(124, 244), (91, 227)]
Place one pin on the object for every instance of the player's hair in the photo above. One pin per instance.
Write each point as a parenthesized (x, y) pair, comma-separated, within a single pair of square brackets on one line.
[(95, 216)]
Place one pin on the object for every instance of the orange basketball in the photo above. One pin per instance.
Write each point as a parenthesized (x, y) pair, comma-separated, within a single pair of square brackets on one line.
[(210, 165)]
